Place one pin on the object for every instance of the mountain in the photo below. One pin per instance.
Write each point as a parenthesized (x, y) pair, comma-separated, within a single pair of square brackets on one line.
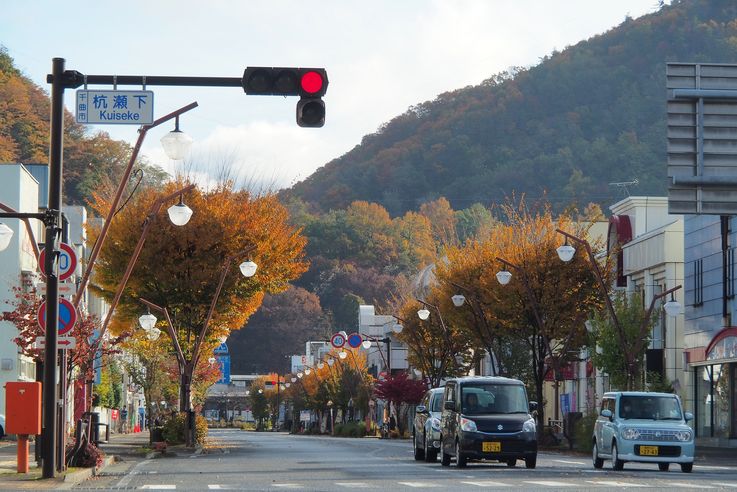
[(583, 118)]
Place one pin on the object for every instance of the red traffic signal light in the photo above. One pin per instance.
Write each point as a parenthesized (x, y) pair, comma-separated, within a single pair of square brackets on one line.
[(284, 81)]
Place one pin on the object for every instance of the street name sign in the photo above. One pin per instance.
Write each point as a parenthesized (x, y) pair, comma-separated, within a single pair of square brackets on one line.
[(115, 107), (63, 343), (67, 261), (67, 316)]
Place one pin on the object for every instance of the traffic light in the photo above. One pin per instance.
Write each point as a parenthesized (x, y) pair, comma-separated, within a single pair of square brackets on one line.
[(308, 83)]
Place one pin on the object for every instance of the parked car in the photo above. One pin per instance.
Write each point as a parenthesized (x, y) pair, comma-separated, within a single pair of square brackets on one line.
[(2, 426), (643, 427), (487, 418), (426, 429)]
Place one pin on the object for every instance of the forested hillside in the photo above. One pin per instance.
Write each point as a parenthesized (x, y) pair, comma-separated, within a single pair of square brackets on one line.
[(585, 117)]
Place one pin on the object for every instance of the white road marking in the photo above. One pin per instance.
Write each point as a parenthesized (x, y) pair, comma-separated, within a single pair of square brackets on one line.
[(418, 485), (725, 484), (124, 481), (288, 485), (354, 485), (214, 487), (615, 483), (689, 485), (552, 483), (159, 487), (488, 483), (570, 462), (712, 467)]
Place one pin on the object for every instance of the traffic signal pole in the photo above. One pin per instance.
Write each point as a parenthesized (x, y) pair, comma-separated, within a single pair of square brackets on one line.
[(60, 80)]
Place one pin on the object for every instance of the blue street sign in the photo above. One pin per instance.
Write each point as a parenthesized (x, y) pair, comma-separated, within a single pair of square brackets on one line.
[(224, 362)]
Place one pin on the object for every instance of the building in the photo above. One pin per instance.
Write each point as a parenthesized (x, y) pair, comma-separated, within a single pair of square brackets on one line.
[(710, 337)]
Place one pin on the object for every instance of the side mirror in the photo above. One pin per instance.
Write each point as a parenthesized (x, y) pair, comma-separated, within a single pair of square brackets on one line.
[(688, 416), (449, 405), (606, 413), (421, 409), (533, 406)]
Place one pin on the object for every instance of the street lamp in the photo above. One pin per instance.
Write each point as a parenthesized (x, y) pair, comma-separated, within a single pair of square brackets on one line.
[(458, 300), (179, 214), (248, 268), (423, 314), (6, 233), (176, 143), (566, 252), (503, 277), (672, 307), (153, 334), (148, 320)]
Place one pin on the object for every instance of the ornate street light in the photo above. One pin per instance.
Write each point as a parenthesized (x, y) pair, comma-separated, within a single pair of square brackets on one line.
[(331, 361), (342, 354), (458, 300), (179, 214), (423, 314), (147, 321), (504, 277), (294, 380), (6, 234), (153, 334), (397, 328), (672, 307), (248, 268), (176, 143), (366, 344), (566, 252)]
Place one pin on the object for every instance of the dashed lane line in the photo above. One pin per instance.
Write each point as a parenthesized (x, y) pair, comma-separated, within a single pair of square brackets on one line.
[(487, 483), (552, 483), (419, 485)]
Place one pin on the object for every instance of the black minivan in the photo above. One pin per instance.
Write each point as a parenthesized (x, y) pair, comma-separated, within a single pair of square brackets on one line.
[(487, 418)]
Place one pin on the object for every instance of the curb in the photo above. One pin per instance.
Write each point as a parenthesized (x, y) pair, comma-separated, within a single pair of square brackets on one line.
[(80, 476)]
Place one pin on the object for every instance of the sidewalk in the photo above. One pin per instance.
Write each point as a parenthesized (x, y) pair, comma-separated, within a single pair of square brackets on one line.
[(121, 446)]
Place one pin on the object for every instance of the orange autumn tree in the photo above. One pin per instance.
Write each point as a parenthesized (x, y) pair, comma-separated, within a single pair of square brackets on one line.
[(179, 268)]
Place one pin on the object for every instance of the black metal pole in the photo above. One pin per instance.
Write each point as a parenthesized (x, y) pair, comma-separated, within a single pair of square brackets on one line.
[(52, 281)]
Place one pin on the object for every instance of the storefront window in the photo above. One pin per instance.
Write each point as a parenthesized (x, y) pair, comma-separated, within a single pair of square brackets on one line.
[(703, 401), (713, 401), (721, 396)]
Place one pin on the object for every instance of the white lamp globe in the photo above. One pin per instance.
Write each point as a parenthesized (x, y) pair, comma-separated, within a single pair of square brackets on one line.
[(458, 300), (672, 308), (397, 328), (287, 385), (308, 371), (423, 314), (147, 321), (154, 334), (179, 214), (294, 380), (260, 391), (6, 234), (320, 365), (366, 344), (331, 361), (504, 277), (566, 252), (299, 375), (176, 144), (342, 354), (248, 268), (211, 360), (248, 393)]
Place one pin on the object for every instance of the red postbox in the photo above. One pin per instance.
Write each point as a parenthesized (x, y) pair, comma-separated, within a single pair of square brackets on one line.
[(23, 415)]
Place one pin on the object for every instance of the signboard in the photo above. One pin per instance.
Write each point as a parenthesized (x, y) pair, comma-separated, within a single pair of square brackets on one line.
[(355, 340), (702, 138), (67, 316), (115, 107), (63, 343), (337, 340), (224, 363), (222, 349), (67, 261), (304, 415), (65, 288)]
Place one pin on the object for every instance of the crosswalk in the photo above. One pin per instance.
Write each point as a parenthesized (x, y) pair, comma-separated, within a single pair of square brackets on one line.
[(468, 484)]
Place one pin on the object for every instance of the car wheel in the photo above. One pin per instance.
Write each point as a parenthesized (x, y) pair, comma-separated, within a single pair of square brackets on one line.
[(598, 462), (617, 464), (686, 467), (430, 454), (419, 453), (512, 463), (663, 466), (444, 457), (461, 460), (531, 462)]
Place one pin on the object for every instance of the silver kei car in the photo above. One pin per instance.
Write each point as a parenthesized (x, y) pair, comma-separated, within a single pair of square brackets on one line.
[(643, 427), (426, 428)]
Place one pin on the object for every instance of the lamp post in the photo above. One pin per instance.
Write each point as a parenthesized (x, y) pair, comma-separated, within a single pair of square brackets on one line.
[(187, 367), (424, 314), (566, 253), (477, 311)]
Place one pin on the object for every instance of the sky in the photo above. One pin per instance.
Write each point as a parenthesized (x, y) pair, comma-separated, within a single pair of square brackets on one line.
[(382, 56)]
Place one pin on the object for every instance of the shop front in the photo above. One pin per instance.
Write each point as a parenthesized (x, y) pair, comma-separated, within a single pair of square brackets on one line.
[(715, 390)]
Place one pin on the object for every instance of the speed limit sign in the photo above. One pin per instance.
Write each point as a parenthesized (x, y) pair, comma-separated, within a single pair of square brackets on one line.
[(67, 261)]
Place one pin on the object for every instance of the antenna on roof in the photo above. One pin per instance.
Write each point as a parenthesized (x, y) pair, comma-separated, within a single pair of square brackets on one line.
[(624, 185)]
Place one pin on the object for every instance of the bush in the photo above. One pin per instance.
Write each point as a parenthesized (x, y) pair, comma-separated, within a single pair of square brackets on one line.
[(173, 431), (87, 457), (583, 431)]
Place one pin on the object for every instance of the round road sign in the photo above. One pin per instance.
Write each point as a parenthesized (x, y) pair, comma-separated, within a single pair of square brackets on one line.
[(67, 261), (67, 316), (337, 340), (355, 340)]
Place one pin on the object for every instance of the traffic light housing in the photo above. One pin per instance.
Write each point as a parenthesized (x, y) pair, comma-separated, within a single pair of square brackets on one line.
[(308, 83)]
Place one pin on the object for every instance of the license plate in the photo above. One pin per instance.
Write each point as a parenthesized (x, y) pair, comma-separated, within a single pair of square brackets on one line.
[(491, 447), (648, 450)]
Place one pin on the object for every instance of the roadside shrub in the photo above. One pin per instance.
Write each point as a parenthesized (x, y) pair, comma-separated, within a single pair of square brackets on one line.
[(87, 457), (173, 431), (583, 431)]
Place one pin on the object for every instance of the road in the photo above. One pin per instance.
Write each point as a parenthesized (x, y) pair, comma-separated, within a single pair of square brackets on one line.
[(277, 461)]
